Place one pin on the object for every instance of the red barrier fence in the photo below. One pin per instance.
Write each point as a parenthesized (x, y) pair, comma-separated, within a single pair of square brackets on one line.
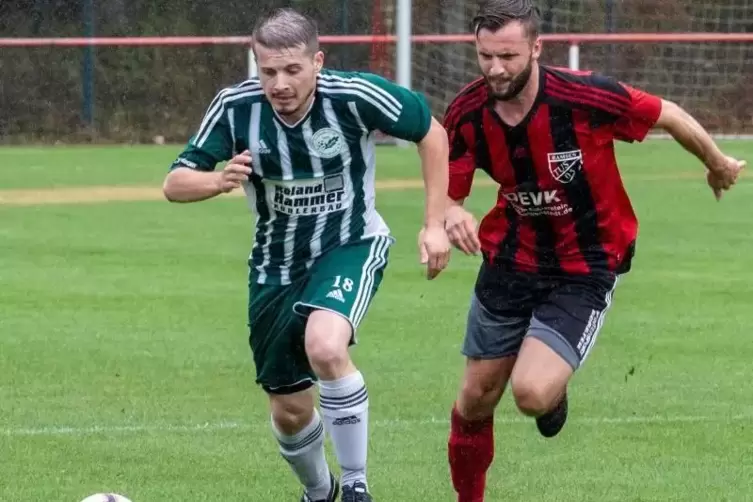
[(135, 88)]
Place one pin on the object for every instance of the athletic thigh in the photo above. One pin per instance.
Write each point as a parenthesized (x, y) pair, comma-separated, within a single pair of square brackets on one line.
[(500, 313), (276, 336), (571, 317), (345, 280)]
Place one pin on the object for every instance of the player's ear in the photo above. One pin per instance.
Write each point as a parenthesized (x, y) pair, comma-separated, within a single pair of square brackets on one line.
[(318, 61), (536, 51)]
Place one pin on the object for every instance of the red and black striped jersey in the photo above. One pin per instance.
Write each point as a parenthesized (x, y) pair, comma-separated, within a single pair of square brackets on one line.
[(561, 205)]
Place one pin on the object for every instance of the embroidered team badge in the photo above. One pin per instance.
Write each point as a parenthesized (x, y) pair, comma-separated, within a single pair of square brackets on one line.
[(564, 165), (328, 143)]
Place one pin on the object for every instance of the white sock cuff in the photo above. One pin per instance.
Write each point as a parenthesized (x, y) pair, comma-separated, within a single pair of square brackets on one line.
[(305, 437), (343, 397), (344, 386)]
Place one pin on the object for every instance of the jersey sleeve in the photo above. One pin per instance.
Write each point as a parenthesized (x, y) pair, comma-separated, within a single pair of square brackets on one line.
[(212, 143), (392, 108), (462, 161), (639, 117)]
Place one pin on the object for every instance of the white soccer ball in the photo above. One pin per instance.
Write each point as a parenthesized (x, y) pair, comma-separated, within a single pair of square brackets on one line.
[(105, 497)]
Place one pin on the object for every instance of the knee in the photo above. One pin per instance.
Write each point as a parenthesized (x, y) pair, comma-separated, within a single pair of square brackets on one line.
[(324, 353), (327, 343), (478, 398), (532, 397), (290, 416)]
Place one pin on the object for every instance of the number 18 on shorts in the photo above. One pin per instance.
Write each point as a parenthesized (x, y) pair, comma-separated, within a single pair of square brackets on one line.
[(343, 281)]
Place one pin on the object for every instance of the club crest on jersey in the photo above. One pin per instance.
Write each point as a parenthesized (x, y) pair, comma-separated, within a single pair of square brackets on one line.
[(564, 165), (328, 143)]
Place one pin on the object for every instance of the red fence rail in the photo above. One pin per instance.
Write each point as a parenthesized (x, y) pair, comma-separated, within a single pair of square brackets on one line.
[(573, 38)]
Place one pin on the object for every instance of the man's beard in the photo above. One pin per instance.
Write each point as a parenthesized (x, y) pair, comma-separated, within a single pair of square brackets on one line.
[(516, 85), (298, 109)]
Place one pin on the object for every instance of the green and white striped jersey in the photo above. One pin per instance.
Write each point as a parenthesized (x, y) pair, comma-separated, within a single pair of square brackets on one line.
[(312, 186)]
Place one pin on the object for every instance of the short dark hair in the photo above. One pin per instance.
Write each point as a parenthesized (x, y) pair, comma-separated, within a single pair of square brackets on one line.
[(494, 14), (286, 29)]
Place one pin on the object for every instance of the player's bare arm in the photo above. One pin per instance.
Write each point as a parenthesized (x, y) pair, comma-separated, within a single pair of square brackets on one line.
[(723, 170), (434, 245), (461, 227), (184, 184), (459, 223)]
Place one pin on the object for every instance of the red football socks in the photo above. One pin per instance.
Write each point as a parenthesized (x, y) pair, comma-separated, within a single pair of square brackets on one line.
[(470, 452)]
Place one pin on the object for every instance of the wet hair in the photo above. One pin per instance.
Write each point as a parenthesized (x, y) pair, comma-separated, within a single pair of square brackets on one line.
[(494, 14), (286, 29)]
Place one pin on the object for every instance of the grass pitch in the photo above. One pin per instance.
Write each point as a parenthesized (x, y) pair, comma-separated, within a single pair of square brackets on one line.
[(124, 363)]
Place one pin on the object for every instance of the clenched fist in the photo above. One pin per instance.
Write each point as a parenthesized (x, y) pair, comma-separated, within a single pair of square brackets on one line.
[(723, 173), (235, 172)]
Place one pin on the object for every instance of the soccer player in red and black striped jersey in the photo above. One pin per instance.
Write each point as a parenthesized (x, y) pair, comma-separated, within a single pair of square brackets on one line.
[(561, 232)]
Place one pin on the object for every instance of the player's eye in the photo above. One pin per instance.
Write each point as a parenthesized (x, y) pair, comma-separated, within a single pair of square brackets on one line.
[(269, 72), (293, 69)]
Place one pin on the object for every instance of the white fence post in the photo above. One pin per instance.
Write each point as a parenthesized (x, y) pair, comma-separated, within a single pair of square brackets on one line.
[(574, 56), (253, 71), (403, 47)]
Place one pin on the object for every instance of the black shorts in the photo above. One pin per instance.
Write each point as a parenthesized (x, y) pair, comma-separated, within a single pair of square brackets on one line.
[(565, 312)]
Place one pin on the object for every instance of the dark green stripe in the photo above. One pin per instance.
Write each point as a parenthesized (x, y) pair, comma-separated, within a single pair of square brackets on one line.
[(257, 255), (241, 119), (299, 152), (304, 232), (357, 171)]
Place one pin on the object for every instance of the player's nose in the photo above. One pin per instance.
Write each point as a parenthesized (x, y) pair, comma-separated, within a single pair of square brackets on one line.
[(497, 70), (282, 83)]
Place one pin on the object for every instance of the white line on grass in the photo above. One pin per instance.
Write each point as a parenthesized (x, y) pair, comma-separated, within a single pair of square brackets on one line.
[(389, 423)]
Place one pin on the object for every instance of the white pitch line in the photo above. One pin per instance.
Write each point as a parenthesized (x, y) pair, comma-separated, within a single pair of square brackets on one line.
[(390, 423), (121, 429)]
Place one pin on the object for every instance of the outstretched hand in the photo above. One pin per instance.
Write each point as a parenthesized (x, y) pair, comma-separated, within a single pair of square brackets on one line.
[(434, 250)]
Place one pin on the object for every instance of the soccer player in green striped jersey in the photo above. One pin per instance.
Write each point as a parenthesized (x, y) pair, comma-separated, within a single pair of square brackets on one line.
[(300, 141)]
